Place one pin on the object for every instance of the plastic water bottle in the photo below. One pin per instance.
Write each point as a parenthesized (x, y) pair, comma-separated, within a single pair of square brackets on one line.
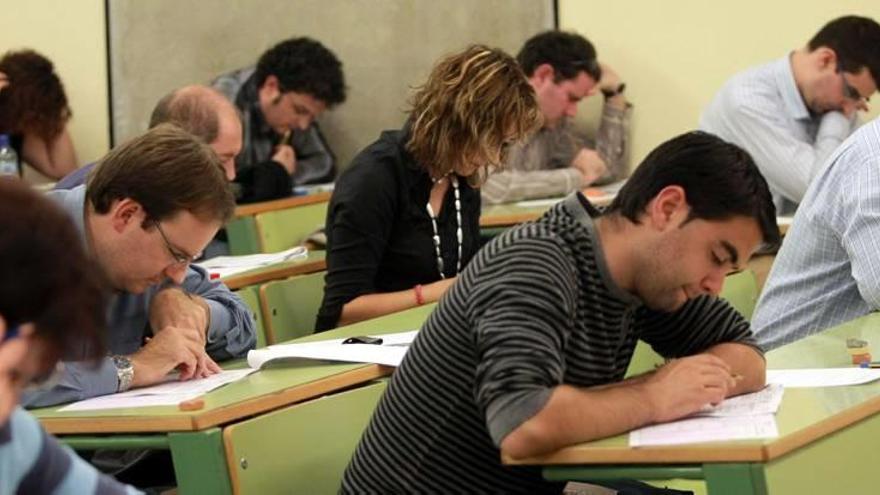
[(8, 158)]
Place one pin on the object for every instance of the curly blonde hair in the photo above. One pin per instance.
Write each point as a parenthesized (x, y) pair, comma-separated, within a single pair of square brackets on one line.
[(472, 106)]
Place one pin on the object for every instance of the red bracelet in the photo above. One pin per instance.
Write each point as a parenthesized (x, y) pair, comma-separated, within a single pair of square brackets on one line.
[(420, 298)]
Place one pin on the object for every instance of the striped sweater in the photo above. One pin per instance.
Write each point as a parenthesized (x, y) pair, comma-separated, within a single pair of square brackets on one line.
[(32, 461), (535, 308)]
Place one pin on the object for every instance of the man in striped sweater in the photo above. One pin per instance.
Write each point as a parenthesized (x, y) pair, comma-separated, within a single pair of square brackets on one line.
[(527, 352)]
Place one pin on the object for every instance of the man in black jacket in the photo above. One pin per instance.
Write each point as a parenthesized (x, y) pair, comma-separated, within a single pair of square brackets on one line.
[(280, 98)]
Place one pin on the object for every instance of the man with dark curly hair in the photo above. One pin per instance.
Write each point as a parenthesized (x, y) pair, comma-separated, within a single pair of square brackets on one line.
[(34, 111), (280, 98)]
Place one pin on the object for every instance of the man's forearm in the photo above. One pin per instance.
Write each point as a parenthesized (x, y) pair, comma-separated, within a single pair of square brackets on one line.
[(574, 415), (745, 362)]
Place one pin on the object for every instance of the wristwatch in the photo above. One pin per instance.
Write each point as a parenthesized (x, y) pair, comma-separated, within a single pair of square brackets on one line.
[(124, 371), (610, 93)]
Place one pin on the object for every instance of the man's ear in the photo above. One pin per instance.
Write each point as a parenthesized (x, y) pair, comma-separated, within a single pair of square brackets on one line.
[(668, 208), (543, 74), (271, 87), (825, 58), (125, 213)]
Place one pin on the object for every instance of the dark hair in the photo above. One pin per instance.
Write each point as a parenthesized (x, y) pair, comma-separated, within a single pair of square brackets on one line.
[(720, 181), (190, 110), (166, 170), (305, 66), (34, 101), (45, 275), (855, 40), (568, 54)]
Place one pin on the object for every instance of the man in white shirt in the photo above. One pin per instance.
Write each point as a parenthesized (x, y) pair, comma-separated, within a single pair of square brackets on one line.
[(792, 113)]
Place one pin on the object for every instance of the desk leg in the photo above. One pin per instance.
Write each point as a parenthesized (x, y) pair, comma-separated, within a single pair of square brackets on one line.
[(200, 462), (735, 479)]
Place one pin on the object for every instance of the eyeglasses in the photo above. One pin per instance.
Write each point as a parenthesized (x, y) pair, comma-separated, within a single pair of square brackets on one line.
[(179, 258), (849, 91)]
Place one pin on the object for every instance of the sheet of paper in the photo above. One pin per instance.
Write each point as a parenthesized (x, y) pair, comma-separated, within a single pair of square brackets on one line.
[(822, 377), (705, 429), (164, 394), (225, 266), (389, 353), (764, 401), (538, 203), (784, 221), (113, 402)]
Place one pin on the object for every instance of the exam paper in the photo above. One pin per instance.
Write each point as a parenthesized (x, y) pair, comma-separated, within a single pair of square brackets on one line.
[(165, 394), (822, 377), (764, 401), (705, 429), (390, 352), (225, 266), (537, 203)]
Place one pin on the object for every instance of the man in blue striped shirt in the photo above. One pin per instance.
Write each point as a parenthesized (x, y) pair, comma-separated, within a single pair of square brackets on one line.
[(827, 271), (792, 113)]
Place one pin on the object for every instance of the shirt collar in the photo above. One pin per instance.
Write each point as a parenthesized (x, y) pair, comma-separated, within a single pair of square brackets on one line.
[(73, 202), (249, 98), (791, 96), (579, 207)]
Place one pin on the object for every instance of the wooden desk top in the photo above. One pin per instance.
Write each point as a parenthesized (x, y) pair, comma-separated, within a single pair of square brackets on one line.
[(506, 215), (314, 263), (280, 204), (259, 392), (806, 414)]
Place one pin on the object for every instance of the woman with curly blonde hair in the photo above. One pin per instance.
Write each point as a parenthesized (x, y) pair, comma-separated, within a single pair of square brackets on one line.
[(34, 112), (404, 217)]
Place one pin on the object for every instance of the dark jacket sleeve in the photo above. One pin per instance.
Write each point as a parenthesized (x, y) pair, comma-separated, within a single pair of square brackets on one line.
[(359, 223), (263, 181)]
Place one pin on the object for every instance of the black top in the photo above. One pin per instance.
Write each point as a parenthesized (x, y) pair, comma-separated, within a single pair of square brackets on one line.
[(379, 233)]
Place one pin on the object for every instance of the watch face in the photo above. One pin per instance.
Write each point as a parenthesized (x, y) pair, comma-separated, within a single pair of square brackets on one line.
[(121, 362)]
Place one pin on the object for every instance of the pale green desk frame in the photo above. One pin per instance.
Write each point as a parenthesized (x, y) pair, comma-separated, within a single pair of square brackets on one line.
[(195, 438), (827, 440), (315, 262)]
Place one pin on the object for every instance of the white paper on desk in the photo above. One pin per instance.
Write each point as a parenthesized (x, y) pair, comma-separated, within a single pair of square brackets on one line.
[(764, 401), (705, 429), (225, 266), (822, 377), (537, 203), (390, 352), (165, 394), (784, 221)]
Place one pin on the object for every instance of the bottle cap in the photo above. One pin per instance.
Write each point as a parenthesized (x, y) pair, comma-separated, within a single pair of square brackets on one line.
[(4, 140)]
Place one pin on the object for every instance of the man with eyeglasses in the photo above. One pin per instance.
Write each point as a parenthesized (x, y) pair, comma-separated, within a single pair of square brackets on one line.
[(280, 99), (150, 208), (563, 70), (792, 113)]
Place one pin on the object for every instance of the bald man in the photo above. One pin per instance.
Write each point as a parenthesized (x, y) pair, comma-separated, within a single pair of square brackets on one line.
[(199, 110)]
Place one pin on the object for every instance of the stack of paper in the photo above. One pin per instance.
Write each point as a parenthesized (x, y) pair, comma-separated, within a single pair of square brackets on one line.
[(225, 266), (390, 352), (743, 417), (165, 394)]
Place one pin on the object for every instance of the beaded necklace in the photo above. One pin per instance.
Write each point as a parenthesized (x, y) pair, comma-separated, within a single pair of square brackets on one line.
[(458, 232)]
